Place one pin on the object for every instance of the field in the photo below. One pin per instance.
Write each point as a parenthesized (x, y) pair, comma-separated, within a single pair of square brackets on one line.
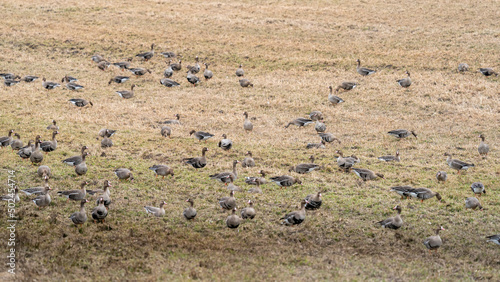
[(291, 51)]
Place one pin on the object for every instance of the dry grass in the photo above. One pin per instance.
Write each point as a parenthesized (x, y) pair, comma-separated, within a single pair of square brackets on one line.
[(292, 53)]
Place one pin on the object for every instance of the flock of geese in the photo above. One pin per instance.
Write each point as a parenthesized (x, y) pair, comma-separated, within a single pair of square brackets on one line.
[(34, 152)]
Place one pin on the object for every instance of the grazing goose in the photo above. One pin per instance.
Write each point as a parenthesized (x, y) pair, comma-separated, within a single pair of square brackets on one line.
[(100, 212), (233, 221), (25, 152), (189, 212), (53, 126), (103, 65), (320, 145), (393, 222), (328, 137), (44, 171), (477, 188), (248, 212), (17, 144), (97, 58), (29, 78), (248, 161), (363, 71), (366, 174), (405, 82), (81, 168), (494, 238), (403, 191), (168, 72), (441, 176), (167, 82), (7, 140), (75, 160), (320, 127), (68, 78), (389, 158), (346, 163), (401, 133), (125, 94), (285, 180), (119, 79), (10, 82), (9, 76), (463, 67), (173, 121), (472, 203), (225, 143), (147, 55), (239, 71), (201, 135), (295, 217), (197, 162), (139, 71), (193, 79), (168, 54), (227, 203), (11, 197), (423, 194), (334, 99), (43, 199), (36, 156), (346, 85), (124, 174), (306, 167), (247, 124), (252, 180), (208, 74), (106, 132), (176, 66), (80, 217), (226, 177), (162, 170), (49, 146), (196, 68), (123, 65), (80, 102), (316, 115), (158, 212), (166, 131), (434, 242), (483, 148), (105, 196), (245, 83), (313, 201), (73, 86), (49, 84), (106, 143), (75, 195), (457, 164), (300, 122), (488, 71)]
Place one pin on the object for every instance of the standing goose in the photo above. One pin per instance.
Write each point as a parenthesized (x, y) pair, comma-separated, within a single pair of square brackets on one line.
[(173, 121), (100, 212), (124, 65), (320, 127), (119, 79), (49, 146), (196, 68), (366, 174), (477, 188), (247, 124), (103, 65), (75, 195), (390, 158), (252, 180), (25, 152), (402, 133), (316, 115), (37, 190), (53, 126), (285, 180), (123, 174), (248, 161), (17, 144), (233, 221), (313, 201), (97, 58), (197, 162), (200, 135), (167, 82), (226, 177), (6, 140), (248, 212), (166, 131), (393, 222), (363, 71), (208, 74), (105, 196), (36, 156), (125, 94), (80, 217), (73, 86), (193, 79), (403, 191), (80, 102), (9, 76), (162, 170), (334, 99), (106, 142), (483, 148), (245, 83), (81, 168), (29, 78), (239, 71), (139, 71), (423, 194), (295, 217), (75, 160), (49, 84), (227, 203), (488, 72), (10, 82), (328, 137), (168, 54), (345, 163), (43, 199), (300, 122), (43, 171), (106, 132), (305, 167), (147, 55), (457, 164), (12, 197), (346, 85), (176, 66), (472, 203), (434, 242), (168, 72), (158, 212), (441, 176), (320, 145), (225, 144), (405, 82), (189, 212), (494, 238)]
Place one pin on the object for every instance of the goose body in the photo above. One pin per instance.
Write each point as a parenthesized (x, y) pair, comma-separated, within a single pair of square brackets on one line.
[(166, 131), (75, 195), (49, 85), (227, 203), (49, 146), (363, 71), (73, 86), (313, 201), (239, 71), (226, 177), (43, 199), (75, 160), (126, 94), (147, 55), (300, 122), (463, 67), (248, 212), (189, 212), (80, 217), (197, 162), (106, 194), (139, 71), (123, 174), (193, 79), (346, 85), (80, 102), (390, 158), (434, 242), (100, 212), (81, 168), (176, 66), (393, 222), (53, 126), (366, 174), (10, 82), (43, 171), (7, 140), (478, 188), (319, 127), (494, 238), (405, 82), (119, 79), (25, 152), (201, 135), (123, 66), (403, 191), (305, 167), (247, 124), (158, 212), (245, 83), (328, 137), (173, 121), (320, 145), (248, 161), (441, 176), (208, 74), (37, 190), (401, 133), (483, 148), (168, 72), (225, 143), (106, 142), (233, 221), (295, 217), (36, 156), (106, 132), (488, 72), (16, 144), (29, 78), (285, 180), (472, 203), (423, 194), (167, 82), (334, 100), (11, 197), (457, 164), (162, 170)]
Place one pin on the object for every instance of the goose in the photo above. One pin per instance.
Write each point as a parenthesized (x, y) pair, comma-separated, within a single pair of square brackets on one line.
[(227, 203), (25, 152), (80, 217), (305, 167), (334, 100), (49, 84), (29, 78), (106, 143), (316, 115), (239, 71), (53, 126), (248, 161), (139, 71), (173, 121), (225, 144), (36, 156), (346, 163), (106, 132), (168, 72), (167, 82), (80, 102), (193, 79), (389, 158), (320, 145), (472, 203), (245, 83), (320, 127), (68, 78), (123, 65), (477, 188), (252, 180), (125, 94), (10, 82), (405, 82), (494, 238), (488, 72), (11, 197), (441, 176), (44, 171), (328, 137), (233, 221), (75, 160), (97, 58), (201, 135), (197, 162), (483, 148), (166, 131), (81, 168), (17, 144), (158, 212), (189, 212), (423, 194), (363, 71), (123, 174), (226, 177), (463, 67), (147, 55), (8, 76), (300, 122), (295, 217), (43, 199), (346, 85), (49, 146), (7, 140), (75, 195), (168, 54), (457, 164), (247, 124), (285, 180), (100, 212), (176, 66), (434, 242), (393, 222), (208, 74), (402, 133), (103, 65), (119, 79), (105, 196), (313, 201), (366, 174), (248, 212), (162, 170), (196, 68), (403, 191)]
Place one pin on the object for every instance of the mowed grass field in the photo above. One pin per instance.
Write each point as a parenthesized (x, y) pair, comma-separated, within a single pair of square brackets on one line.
[(291, 51)]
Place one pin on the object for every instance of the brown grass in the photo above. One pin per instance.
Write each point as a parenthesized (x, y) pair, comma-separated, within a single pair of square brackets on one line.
[(291, 52)]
